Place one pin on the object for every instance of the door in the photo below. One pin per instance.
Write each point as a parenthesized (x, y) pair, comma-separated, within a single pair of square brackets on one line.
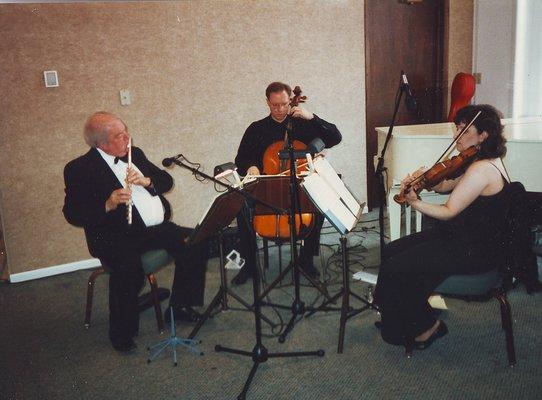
[(408, 37)]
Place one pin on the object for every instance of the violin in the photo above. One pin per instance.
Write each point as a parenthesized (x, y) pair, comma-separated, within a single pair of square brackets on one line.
[(276, 226), (442, 170)]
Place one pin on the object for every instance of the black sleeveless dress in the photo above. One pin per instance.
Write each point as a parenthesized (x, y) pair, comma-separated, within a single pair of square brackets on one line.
[(480, 229), (413, 266)]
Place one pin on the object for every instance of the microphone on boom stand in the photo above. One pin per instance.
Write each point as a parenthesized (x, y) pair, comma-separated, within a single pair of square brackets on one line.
[(167, 162), (410, 100)]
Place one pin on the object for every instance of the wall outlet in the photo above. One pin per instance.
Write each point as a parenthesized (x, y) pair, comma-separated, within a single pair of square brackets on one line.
[(51, 78)]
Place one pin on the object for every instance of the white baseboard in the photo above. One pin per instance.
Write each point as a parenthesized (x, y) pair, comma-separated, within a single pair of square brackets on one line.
[(55, 270)]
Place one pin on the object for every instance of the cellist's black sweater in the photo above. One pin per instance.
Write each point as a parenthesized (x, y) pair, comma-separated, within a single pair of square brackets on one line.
[(261, 134)]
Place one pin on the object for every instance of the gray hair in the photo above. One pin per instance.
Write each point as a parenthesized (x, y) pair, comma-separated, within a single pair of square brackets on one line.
[(96, 129)]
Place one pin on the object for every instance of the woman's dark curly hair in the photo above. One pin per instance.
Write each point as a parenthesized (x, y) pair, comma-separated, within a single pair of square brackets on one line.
[(488, 121)]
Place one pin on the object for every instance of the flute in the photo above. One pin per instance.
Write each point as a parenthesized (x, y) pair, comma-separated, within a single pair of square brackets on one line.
[(129, 185)]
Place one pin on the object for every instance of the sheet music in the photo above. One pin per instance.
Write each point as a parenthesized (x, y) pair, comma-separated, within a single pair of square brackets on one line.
[(326, 171), (329, 203)]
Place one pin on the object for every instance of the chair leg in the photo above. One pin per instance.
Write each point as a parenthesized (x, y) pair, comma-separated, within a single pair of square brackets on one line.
[(506, 318), (156, 300), (90, 294)]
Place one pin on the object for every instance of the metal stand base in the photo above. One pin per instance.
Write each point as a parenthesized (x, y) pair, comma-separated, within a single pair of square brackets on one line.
[(220, 301), (173, 341), (260, 355), (346, 310), (298, 307)]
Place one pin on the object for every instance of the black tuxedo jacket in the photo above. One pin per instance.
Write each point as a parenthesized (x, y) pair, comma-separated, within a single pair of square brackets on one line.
[(89, 182)]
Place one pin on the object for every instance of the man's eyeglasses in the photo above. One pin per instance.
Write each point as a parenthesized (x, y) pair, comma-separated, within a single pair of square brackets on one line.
[(279, 105)]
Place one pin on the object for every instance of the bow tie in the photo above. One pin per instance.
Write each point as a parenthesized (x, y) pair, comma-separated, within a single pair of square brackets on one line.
[(125, 159)]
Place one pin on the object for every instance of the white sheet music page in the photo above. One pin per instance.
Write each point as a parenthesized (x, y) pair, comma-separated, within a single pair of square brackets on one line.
[(326, 171), (329, 203)]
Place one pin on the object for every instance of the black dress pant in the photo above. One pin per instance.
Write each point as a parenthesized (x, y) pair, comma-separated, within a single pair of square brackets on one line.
[(412, 267), (123, 259)]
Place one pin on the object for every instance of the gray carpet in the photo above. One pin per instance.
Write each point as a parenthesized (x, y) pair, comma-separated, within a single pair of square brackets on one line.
[(47, 354)]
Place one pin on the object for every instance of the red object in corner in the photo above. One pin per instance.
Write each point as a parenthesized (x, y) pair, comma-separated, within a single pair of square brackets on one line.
[(463, 88)]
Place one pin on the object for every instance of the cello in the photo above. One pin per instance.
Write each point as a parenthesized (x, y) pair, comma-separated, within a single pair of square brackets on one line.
[(275, 227)]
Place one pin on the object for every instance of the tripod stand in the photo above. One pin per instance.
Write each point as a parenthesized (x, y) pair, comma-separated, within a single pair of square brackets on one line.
[(221, 297), (173, 341), (346, 311), (259, 353), (297, 307), (343, 211), (379, 169)]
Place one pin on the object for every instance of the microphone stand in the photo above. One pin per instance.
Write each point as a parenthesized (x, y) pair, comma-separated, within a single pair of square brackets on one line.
[(380, 168), (259, 353), (297, 307)]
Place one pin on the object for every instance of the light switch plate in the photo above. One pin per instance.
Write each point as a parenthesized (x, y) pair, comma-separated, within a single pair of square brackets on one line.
[(125, 98)]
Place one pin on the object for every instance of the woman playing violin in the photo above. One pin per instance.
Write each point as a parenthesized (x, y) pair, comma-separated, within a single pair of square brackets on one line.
[(306, 126), (466, 239)]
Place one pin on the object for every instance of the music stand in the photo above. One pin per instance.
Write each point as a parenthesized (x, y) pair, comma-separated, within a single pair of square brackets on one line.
[(328, 192), (218, 216), (259, 353), (276, 191)]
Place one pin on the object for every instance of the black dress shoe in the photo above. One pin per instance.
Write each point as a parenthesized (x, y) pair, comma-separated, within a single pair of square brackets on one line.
[(243, 276), (440, 332), (123, 345), (182, 314)]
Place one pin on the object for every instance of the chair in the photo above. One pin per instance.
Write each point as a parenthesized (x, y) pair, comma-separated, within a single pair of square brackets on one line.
[(462, 91), (519, 263), (483, 286), (151, 261)]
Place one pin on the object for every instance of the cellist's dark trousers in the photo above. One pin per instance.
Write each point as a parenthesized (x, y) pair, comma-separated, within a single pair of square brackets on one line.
[(412, 267), (247, 244)]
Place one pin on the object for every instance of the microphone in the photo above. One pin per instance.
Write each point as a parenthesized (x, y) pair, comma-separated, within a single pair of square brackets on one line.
[(166, 162), (315, 146), (410, 101)]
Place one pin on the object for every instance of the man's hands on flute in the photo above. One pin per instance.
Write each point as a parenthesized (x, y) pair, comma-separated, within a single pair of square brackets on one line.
[(118, 196), (134, 177), (123, 195)]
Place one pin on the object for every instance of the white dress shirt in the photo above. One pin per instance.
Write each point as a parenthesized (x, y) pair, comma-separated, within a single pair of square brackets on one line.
[(149, 207)]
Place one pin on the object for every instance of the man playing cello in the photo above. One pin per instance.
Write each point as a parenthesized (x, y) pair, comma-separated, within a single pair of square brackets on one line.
[(306, 127)]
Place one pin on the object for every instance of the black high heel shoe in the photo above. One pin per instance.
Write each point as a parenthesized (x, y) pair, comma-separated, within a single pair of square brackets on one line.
[(441, 331)]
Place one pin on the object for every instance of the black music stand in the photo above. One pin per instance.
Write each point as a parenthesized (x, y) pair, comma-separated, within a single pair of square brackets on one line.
[(344, 293), (259, 353), (219, 215), (343, 212), (272, 189)]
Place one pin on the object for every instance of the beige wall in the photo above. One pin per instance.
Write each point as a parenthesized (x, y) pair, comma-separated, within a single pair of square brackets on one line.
[(458, 39), (196, 70)]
